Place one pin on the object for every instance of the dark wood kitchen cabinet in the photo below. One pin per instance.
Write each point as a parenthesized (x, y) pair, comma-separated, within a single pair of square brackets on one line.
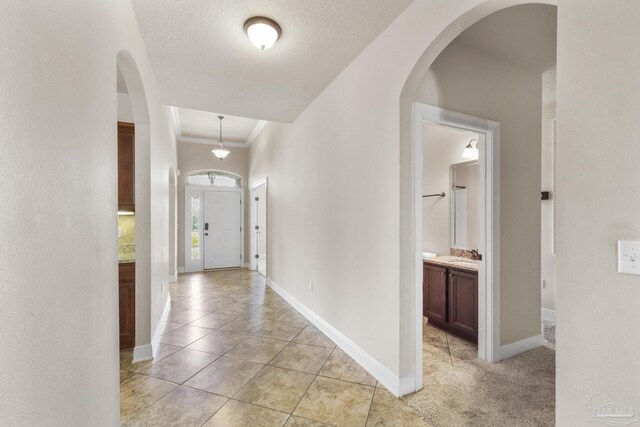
[(126, 167), (127, 295), (450, 300)]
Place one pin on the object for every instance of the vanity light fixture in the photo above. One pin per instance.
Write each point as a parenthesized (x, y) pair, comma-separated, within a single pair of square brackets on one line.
[(263, 32), (220, 152), (470, 152)]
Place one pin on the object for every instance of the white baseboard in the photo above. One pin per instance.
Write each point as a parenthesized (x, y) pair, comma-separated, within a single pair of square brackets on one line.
[(247, 265), (396, 385), (180, 269), (156, 333), (142, 352), (548, 314), (173, 278), (510, 350)]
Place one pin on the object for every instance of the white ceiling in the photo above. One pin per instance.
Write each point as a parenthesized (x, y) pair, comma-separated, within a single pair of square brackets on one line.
[(203, 60), (524, 35), (204, 127)]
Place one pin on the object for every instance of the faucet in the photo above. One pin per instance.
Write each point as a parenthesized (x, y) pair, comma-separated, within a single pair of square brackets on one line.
[(476, 256)]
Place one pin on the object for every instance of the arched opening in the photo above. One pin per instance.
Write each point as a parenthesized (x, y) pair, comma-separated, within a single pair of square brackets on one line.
[(411, 204), (129, 77)]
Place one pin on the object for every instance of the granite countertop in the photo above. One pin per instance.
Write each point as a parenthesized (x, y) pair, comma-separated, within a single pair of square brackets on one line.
[(126, 261), (456, 262)]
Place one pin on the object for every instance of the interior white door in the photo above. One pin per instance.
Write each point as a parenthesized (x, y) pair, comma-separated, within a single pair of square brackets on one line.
[(222, 229), (261, 229)]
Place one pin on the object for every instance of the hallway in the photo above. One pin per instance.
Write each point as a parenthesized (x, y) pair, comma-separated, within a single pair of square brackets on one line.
[(234, 353)]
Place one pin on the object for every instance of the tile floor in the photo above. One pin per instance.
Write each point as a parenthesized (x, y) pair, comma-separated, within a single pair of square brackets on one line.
[(233, 353), (461, 390)]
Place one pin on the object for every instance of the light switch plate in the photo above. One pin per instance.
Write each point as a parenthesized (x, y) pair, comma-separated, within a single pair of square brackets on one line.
[(629, 257)]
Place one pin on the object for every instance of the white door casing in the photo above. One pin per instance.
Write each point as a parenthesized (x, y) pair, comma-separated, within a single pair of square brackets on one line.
[(488, 278)]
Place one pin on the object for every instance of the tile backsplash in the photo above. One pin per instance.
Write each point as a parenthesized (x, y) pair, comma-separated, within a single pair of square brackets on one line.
[(127, 240)]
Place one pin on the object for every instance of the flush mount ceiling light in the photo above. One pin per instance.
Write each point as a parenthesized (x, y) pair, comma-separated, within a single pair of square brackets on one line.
[(470, 152), (263, 32), (220, 152)]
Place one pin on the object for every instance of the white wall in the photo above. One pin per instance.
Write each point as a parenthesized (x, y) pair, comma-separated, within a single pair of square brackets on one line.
[(125, 112), (598, 182), (468, 81), (442, 147), (547, 208), (58, 177), (194, 156)]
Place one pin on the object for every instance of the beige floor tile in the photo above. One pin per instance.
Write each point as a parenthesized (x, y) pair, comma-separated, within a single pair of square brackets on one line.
[(225, 376), (280, 330), (342, 367), (138, 392), (218, 342), (168, 327), (270, 311), (276, 388), (302, 357), (214, 320), (313, 336), (183, 406), (387, 410), (239, 414), (246, 325), (292, 316), (303, 422), (336, 402), (125, 375), (162, 351), (184, 316), (257, 349), (432, 355), (180, 366), (184, 336)]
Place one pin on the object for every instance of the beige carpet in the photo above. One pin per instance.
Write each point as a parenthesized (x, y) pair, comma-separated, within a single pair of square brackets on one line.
[(460, 390)]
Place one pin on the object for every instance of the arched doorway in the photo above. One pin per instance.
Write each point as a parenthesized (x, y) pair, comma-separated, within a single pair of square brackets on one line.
[(411, 203), (127, 68)]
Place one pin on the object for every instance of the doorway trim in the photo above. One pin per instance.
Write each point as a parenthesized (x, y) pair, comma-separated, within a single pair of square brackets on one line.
[(252, 243), (488, 282), (189, 191)]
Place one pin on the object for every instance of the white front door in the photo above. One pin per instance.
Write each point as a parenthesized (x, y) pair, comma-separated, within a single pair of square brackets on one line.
[(222, 229)]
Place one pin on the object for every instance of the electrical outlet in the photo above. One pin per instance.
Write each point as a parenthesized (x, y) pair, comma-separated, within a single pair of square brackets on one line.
[(161, 287), (311, 285), (544, 284)]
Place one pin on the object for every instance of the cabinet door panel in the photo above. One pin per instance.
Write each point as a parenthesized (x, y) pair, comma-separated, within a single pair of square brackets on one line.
[(127, 299), (435, 293), (126, 167), (463, 302)]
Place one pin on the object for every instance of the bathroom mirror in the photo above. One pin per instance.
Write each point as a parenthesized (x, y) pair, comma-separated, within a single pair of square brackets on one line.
[(465, 213)]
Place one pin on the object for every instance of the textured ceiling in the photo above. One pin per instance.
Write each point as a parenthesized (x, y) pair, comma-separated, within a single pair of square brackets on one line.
[(203, 60), (203, 126), (524, 35)]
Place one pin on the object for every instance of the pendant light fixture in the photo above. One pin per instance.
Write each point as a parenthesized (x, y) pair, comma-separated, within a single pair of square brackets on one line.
[(263, 32), (220, 152), (471, 152)]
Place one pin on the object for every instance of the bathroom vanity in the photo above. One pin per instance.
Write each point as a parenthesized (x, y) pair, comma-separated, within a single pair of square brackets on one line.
[(450, 295)]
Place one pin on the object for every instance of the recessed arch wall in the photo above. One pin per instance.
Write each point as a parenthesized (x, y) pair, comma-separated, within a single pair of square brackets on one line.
[(138, 99), (408, 270)]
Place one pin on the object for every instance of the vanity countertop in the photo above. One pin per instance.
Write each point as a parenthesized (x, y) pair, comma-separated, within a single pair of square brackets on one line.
[(456, 262)]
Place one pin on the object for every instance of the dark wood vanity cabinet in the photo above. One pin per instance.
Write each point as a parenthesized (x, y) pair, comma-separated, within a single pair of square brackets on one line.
[(126, 167), (434, 294), (450, 300)]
